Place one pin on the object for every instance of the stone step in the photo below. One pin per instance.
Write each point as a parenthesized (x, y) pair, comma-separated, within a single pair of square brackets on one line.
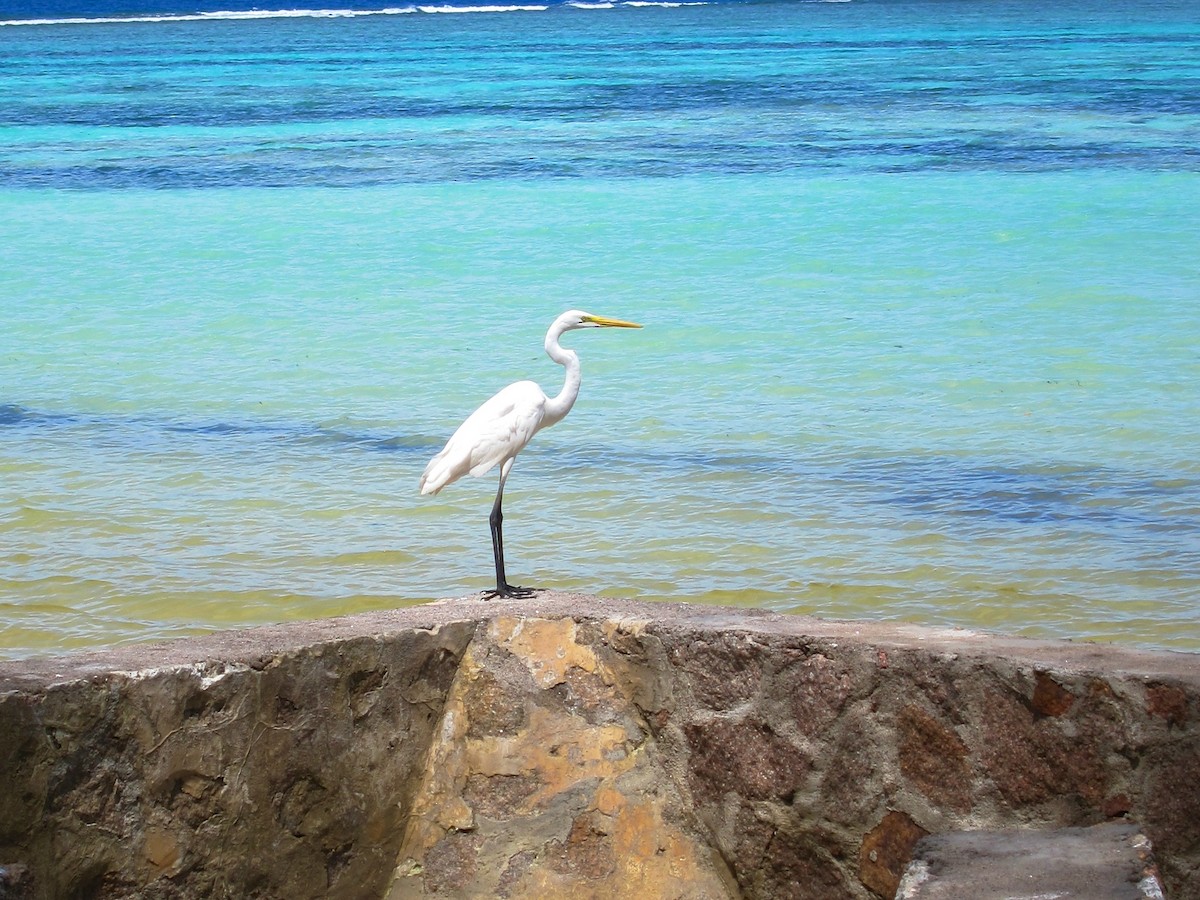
[(1103, 862)]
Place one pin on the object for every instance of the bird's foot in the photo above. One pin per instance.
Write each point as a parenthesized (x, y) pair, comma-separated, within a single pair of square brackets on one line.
[(509, 591)]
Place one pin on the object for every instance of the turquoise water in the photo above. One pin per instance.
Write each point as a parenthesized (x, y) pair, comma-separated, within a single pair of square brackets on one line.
[(919, 283)]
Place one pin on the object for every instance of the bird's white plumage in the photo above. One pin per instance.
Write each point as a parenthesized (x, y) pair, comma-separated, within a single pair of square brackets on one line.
[(497, 431)]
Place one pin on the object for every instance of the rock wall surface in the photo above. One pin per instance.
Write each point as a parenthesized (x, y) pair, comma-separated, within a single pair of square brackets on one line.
[(573, 745)]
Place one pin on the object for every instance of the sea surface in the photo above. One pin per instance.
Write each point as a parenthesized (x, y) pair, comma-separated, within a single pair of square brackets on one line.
[(920, 282)]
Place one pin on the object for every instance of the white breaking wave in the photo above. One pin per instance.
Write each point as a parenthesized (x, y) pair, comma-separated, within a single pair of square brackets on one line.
[(220, 15), (480, 9), (228, 15)]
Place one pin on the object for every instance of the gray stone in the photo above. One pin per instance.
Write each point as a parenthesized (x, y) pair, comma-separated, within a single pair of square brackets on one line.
[(1104, 862)]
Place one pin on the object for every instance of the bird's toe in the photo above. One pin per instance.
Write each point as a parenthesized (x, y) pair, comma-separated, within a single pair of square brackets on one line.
[(509, 592)]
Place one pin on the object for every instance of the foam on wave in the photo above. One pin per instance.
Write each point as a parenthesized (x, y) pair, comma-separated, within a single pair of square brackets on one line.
[(218, 15), (231, 15)]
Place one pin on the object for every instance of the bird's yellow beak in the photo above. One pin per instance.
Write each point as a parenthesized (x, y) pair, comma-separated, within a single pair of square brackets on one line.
[(605, 322)]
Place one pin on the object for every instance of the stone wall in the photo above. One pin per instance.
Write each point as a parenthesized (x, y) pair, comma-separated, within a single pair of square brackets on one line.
[(570, 745)]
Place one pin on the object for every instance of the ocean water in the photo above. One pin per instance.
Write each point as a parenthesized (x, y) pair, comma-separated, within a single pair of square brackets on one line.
[(920, 282)]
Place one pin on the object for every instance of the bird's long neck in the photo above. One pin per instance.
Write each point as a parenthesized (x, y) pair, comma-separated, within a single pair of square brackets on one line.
[(557, 407)]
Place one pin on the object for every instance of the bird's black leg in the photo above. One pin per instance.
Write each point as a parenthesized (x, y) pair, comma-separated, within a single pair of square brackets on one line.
[(496, 520)]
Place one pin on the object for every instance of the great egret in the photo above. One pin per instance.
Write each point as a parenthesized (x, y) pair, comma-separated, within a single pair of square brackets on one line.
[(500, 429)]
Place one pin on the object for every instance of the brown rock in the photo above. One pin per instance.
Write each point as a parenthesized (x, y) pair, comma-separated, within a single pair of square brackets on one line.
[(1032, 760), (1167, 703), (1049, 697), (782, 859), (492, 711), (450, 864), (934, 758), (515, 869), (1117, 806), (886, 850), (747, 758), (819, 689), (500, 796), (587, 852), (724, 671)]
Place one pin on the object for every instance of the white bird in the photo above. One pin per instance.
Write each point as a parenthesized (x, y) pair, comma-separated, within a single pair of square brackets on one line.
[(499, 430)]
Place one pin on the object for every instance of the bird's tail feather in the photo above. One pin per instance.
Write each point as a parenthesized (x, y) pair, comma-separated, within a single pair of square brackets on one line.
[(438, 473)]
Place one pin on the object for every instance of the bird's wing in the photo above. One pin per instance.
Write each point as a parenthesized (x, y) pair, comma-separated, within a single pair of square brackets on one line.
[(498, 430)]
